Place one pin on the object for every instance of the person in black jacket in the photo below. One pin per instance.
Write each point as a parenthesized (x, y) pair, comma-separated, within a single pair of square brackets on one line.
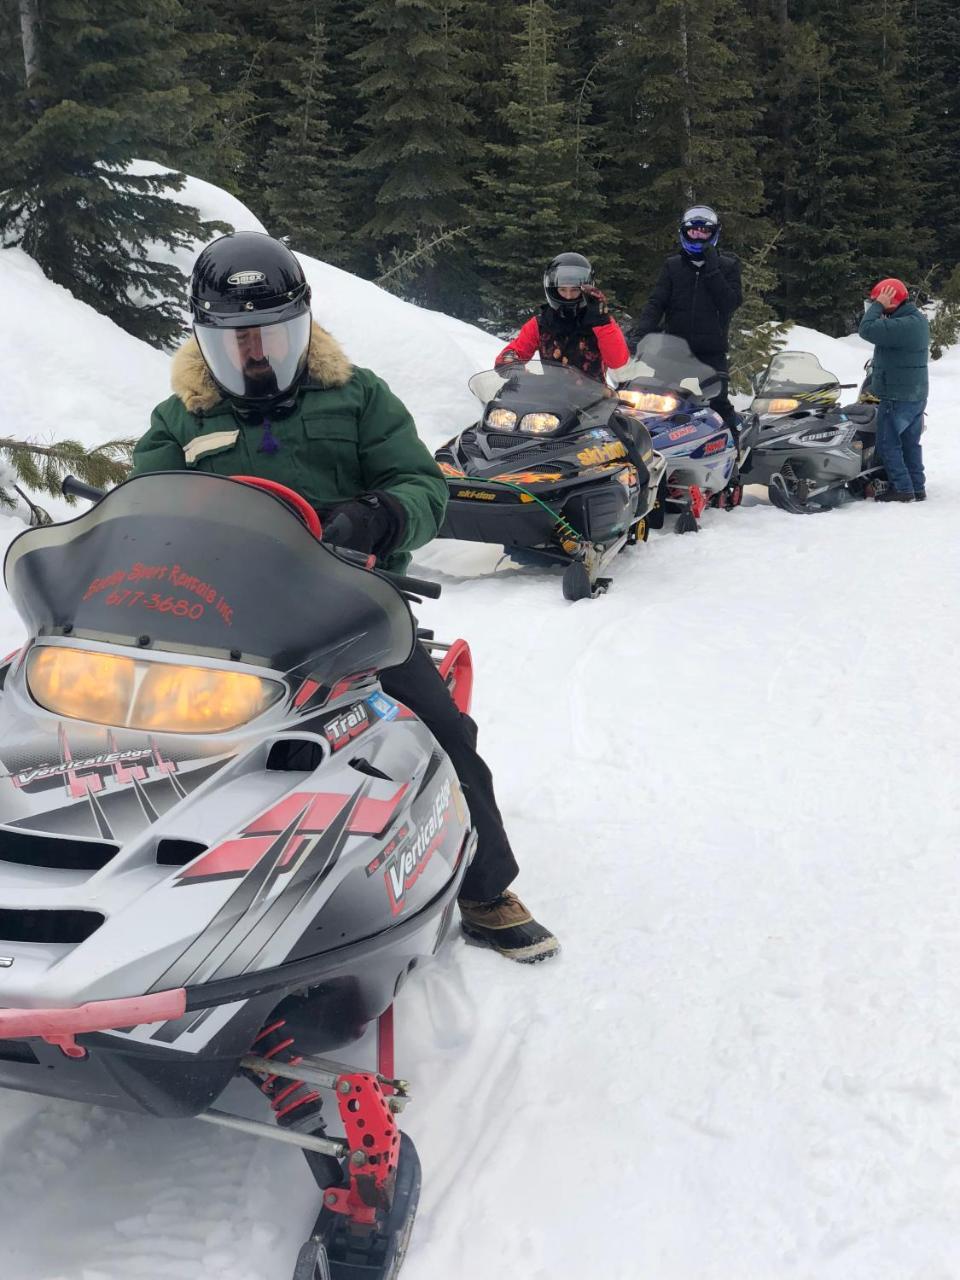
[(695, 296)]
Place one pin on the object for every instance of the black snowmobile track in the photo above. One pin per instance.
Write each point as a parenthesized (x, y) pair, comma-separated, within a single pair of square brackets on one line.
[(781, 497)]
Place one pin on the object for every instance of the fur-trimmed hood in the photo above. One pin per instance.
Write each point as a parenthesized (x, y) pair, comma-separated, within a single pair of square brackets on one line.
[(192, 384)]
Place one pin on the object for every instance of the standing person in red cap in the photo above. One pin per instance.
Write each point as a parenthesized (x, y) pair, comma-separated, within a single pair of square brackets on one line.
[(900, 334)]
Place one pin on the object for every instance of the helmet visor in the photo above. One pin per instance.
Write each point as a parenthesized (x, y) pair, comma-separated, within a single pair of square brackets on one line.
[(258, 363), (700, 228), (568, 276)]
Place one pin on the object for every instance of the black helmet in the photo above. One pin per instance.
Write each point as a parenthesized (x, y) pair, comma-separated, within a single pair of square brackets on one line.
[(567, 271), (250, 303)]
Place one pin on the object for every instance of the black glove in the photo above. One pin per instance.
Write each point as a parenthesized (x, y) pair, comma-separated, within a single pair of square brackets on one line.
[(710, 256), (595, 312), (372, 523)]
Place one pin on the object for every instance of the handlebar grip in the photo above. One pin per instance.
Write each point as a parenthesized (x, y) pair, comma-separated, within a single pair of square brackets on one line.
[(74, 488), (419, 586)]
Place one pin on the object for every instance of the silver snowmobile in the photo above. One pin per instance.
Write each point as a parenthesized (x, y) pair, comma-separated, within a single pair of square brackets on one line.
[(222, 846), (811, 452)]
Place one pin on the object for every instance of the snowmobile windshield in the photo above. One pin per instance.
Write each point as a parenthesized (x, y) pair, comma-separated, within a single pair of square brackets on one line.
[(663, 361), (548, 384), (201, 564), (793, 372), (258, 363)]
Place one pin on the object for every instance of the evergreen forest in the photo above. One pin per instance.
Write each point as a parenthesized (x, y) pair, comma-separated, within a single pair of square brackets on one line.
[(449, 148)]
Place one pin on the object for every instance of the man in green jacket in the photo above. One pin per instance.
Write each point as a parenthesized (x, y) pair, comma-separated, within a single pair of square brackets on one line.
[(900, 334), (262, 390)]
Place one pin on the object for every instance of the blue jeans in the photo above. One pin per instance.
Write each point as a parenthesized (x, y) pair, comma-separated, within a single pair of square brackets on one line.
[(899, 423)]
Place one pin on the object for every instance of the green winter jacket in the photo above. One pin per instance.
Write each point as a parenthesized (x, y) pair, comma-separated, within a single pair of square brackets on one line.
[(902, 342), (346, 434)]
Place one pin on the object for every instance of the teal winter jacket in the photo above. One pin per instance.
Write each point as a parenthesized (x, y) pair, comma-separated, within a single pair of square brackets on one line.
[(902, 344)]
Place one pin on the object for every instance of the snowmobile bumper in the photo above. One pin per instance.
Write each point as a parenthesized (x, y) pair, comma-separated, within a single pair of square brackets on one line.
[(598, 511), (479, 513), (83, 1055)]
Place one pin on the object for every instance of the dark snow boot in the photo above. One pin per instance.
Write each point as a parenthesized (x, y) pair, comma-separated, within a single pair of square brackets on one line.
[(508, 927), (894, 495)]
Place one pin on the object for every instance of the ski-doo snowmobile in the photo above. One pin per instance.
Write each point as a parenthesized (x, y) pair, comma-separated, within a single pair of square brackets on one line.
[(668, 388), (222, 846), (811, 452), (555, 471)]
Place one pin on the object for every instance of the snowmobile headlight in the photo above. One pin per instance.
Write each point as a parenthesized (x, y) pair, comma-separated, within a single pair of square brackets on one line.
[(502, 419), (539, 424), (107, 688), (175, 699), (648, 402), (80, 684), (777, 405)]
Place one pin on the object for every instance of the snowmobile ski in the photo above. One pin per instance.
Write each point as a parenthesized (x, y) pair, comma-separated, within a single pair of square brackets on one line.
[(340, 1250)]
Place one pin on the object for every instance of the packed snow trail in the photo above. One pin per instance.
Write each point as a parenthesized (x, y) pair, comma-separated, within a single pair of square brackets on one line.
[(731, 787)]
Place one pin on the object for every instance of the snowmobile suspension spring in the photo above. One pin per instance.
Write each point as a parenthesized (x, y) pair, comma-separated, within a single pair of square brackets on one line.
[(563, 525)]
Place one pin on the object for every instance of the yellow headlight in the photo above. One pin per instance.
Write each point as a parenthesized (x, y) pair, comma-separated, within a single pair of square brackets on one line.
[(539, 423), (82, 685), (647, 402), (502, 419), (164, 697), (783, 406), (198, 699)]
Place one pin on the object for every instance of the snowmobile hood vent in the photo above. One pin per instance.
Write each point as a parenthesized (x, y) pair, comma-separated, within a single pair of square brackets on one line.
[(70, 927), (533, 451), (56, 852), (177, 853)]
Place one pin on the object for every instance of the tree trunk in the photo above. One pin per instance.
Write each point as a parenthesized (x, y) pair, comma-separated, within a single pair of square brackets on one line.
[(685, 107), (30, 35), (786, 156)]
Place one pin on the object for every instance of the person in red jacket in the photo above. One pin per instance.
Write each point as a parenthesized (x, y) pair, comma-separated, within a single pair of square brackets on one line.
[(574, 327)]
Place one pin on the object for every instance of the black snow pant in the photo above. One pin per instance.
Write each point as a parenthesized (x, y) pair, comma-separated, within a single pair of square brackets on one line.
[(417, 684), (721, 402)]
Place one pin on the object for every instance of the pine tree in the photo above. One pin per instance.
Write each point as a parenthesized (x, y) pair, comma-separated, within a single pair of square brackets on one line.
[(210, 143), (678, 93), (30, 465), (756, 334), (98, 78), (414, 86), (295, 155), (848, 205), (932, 87), (540, 191)]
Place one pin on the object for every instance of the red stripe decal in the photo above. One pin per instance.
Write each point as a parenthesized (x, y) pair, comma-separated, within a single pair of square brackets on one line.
[(306, 692)]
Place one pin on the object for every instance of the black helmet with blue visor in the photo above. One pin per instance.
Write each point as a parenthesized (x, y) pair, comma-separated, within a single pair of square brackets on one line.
[(696, 221)]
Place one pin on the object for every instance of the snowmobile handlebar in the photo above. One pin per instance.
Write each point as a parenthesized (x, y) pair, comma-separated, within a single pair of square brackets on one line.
[(419, 586), (74, 488)]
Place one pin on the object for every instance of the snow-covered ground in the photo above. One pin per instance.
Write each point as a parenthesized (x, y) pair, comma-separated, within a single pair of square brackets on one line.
[(731, 787)]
